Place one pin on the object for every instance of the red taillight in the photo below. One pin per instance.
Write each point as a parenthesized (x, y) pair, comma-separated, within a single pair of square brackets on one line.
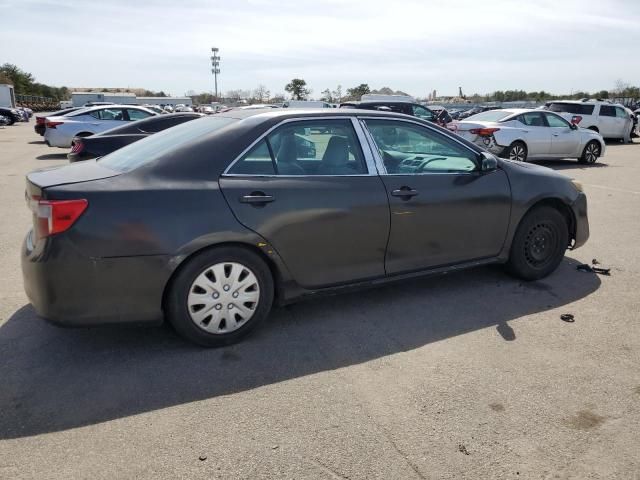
[(483, 132), (55, 216), (77, 146), (40, 120), (51, 124), (576, 119)]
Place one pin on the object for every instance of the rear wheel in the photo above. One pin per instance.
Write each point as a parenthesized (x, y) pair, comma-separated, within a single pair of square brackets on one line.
[(539, 244), (219, 296), (517, 151), (590, 153)]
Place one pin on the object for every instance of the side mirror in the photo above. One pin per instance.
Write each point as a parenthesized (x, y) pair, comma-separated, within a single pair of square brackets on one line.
[(489, 163), (573, 126)]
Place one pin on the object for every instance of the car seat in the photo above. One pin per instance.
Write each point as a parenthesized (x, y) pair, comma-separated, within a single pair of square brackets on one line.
[(287, 156), (335, 160)]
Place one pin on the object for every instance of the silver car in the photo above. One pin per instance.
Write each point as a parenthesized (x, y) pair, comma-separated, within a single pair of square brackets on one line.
[(82, 123), (522, 134)]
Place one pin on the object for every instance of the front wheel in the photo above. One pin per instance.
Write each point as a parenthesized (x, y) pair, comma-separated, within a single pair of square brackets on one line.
[(219, 296), (539, 244), (590, 153), (517, 151)]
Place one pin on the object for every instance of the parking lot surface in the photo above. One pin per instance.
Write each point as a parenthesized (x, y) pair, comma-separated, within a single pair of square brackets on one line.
[(469, 375)]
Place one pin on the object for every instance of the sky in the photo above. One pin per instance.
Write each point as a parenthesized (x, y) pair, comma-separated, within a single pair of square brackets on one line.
[(417, 46)]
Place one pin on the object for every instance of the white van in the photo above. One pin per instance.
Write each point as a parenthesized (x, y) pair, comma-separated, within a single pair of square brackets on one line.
[(611, 120), (305, 104)]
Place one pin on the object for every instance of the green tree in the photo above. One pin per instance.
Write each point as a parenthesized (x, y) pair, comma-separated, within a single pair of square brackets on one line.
[(326, 96), (356, 93), (298, 89)]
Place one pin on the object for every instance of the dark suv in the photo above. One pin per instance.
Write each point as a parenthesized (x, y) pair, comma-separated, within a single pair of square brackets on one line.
[(408, 108)]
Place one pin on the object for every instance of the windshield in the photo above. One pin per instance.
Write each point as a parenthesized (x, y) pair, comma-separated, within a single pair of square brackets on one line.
[(149, 149), (489, 116)]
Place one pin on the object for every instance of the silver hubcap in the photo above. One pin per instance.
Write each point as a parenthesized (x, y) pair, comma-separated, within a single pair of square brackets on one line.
[(592, 152), (517, 153), (223, 297)]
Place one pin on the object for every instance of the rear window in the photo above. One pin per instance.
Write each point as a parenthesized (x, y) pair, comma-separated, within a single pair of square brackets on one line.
[(575, 108), (489, 116), (607, 111), (149, 149)]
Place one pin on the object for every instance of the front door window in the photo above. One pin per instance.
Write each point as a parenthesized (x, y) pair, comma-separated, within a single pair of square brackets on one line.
[(408, 148)]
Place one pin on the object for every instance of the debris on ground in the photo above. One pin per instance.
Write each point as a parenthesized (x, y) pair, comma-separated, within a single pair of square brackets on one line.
[(585, 267), (463, 449), (202, 458), (567, 317)]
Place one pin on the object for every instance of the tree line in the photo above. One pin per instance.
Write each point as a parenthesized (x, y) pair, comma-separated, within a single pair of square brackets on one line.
[(25, 84)]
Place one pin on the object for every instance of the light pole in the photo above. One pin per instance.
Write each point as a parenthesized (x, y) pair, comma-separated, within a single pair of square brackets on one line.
[(215, 68)]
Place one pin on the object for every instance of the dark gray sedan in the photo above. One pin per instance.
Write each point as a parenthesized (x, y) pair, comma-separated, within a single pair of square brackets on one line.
[(210, 223)]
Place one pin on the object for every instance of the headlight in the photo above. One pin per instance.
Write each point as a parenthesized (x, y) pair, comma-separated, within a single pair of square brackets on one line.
[(577, 185)]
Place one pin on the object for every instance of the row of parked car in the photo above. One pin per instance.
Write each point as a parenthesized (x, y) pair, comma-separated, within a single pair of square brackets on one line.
[(9, 116), (563, 129)]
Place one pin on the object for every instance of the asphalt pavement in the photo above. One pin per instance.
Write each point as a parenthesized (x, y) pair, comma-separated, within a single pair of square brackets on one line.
[(469, 375)]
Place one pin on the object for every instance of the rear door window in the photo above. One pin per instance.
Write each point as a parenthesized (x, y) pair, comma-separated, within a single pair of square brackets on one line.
[(532, 119), (575, 108), (108, 114), (318, 147), (607, 111), (135, 114)]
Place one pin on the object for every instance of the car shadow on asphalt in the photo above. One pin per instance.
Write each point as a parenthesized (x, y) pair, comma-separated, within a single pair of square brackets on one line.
[(52, 156), (569, 164), (56, 379)]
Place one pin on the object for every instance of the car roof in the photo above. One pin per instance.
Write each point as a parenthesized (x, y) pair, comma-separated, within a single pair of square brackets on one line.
[(115, 105), (271, 113)]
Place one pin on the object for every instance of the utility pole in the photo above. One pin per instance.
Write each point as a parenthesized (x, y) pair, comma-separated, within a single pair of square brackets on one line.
[(215, 68)]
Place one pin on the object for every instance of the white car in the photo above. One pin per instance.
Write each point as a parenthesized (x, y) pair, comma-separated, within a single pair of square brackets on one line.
[(611, 120), (87, 121), (522, 134)]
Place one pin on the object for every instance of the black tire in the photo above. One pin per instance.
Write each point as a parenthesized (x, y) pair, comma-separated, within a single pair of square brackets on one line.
[(539, 244), (177, 309), (11, 120), (591, 152), (517, 151)]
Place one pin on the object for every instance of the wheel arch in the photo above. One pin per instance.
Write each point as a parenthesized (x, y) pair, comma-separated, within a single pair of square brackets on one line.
[(562, 207), (276, 273)]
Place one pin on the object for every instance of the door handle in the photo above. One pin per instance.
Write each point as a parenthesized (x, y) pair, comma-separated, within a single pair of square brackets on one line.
[(556, 134), (257, 198), (405, 193)]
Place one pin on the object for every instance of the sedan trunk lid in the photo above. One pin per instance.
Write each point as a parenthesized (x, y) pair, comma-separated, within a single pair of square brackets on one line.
[(39, 180)]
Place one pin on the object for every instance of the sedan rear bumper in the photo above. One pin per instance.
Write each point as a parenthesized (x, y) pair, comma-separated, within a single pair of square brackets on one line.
[(79, 157), (70, 289), (579, 208)]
